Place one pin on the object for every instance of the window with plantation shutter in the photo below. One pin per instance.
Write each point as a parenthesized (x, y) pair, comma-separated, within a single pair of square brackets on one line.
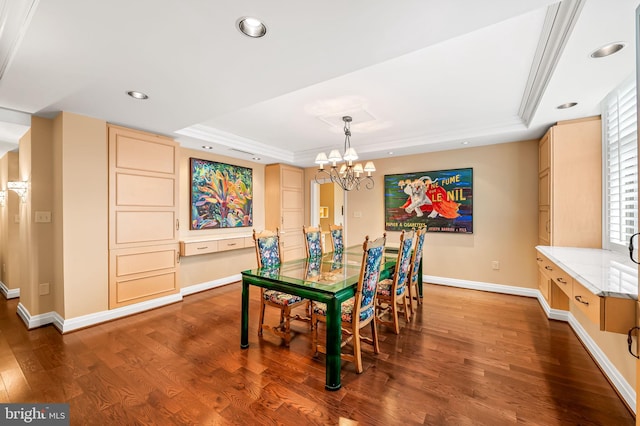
[(619, 122)]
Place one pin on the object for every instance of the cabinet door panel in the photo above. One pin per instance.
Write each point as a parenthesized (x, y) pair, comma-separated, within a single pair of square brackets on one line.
[(135, 153), (144, 227), (145, 288), (140, 262), (144, 191)]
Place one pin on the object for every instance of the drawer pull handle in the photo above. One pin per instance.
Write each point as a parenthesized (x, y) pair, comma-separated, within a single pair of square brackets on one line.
[(630, 340), (548, 268), (561, 280), (202, 248), (579, 299), (539, 259), (231, 244)]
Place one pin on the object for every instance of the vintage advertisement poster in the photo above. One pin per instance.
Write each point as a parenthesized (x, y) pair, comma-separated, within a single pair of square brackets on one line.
[(441, 200)]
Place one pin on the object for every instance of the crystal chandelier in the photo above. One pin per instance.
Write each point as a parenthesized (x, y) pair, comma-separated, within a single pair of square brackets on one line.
[(349, 176)]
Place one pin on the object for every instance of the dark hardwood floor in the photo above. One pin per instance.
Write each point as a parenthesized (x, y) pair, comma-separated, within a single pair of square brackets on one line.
[(466, 358)]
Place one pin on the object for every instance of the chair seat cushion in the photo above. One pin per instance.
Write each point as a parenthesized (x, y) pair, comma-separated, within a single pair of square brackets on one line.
[(384, 288), (280, 298), (320, 308)]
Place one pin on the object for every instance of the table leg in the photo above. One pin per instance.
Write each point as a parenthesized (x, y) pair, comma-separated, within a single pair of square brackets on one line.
[(244, 321), (420, 279), (334, 337)]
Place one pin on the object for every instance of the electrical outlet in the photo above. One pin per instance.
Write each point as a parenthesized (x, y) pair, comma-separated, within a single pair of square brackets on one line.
[(495, 265), (357, 214), (43, 217), (44, 289)]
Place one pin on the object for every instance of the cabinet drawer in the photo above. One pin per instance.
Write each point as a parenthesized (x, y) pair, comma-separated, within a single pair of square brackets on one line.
[(613, 314), (554, 272), (202, 247), (543, 285), (230, 244), (248, 242), (587, 302)]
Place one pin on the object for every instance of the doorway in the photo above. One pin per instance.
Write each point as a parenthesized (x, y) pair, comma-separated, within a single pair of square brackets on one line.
[(328, 204)]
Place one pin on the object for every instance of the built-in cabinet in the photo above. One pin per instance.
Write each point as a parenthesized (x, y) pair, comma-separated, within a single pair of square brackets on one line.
[(570, 184), (284, 205), (600, 283), (143, 216)]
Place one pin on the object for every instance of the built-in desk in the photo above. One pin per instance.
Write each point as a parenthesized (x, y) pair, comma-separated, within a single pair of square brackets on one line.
[(601, 283), (205, 245)]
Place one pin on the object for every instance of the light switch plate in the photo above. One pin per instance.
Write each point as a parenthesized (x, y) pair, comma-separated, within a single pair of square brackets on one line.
[(43, 217)]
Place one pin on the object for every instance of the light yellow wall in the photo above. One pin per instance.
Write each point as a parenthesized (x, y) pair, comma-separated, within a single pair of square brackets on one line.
[(210, 267), (8, 229), (4, 215), (81, 169), (37, 238), (505, 221), (326, 200), (505, 197), (11, 257)]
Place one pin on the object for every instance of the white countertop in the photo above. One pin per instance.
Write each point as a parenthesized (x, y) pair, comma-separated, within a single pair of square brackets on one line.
[(603, 272)]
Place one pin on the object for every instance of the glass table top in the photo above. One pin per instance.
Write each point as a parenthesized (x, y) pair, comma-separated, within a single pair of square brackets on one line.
[(330, 273)]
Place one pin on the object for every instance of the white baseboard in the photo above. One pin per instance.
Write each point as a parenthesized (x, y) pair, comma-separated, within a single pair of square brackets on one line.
[(478, 285), (625, 390), (623, 387), (210, 284), (9, 293), (67, 325)]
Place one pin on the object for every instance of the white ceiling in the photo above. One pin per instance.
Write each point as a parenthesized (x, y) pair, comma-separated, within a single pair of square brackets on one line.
[(416, 75)]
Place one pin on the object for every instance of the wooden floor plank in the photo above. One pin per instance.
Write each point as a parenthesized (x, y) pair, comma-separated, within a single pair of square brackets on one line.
[(465, 358)]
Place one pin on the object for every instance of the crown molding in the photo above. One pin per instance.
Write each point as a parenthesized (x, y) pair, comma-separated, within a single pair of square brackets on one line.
[(234, 142), (559, 22)]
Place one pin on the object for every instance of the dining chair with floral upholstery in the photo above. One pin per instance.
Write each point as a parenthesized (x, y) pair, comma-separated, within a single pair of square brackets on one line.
[(392, 291), (416, 258), (358, 311), (313, 241), (337, 237), (269, 254)]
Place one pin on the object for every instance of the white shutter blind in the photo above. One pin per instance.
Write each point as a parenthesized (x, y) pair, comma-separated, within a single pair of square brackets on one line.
[(621, 151)]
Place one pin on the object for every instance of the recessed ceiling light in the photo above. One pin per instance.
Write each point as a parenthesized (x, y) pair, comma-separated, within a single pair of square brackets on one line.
[(567, 105), (390, 152), (465, 143), (607, 50), (207, 147), (137, 95), (251, 27)]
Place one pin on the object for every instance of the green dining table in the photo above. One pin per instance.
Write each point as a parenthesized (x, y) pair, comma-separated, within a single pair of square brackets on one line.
[(331, 279)]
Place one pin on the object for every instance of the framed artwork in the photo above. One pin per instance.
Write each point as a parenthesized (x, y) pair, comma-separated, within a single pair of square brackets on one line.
[(221, 195), (441, 200)]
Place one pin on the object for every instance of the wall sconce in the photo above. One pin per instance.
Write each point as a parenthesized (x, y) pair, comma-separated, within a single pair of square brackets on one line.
[(3, 198), (19, 188)]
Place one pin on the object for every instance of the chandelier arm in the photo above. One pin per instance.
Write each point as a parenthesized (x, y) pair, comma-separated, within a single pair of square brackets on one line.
[(370, 182), (320, 172)]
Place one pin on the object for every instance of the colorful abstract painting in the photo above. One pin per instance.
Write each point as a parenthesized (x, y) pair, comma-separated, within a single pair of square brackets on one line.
[(221, 195), (441, 200)]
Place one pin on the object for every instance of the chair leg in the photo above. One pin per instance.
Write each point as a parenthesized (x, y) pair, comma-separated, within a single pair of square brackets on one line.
[(357, 351), (286, 325), (261, 318), (407, 314), (314, 334), (410, 296), (374, 337), (394, 312)]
